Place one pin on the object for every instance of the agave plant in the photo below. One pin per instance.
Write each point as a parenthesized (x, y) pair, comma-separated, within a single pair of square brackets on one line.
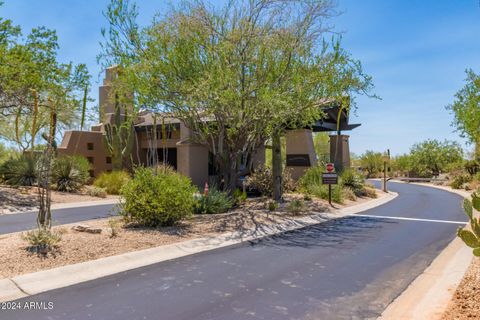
[(471, 237), (70, 173), (20, 171)]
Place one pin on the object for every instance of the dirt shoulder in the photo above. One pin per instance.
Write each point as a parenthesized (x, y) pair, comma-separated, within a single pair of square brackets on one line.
[(75, 247), (465, 303), (22, 199)]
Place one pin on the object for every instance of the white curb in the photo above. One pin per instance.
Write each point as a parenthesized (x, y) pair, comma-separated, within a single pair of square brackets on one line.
[(427, 297)]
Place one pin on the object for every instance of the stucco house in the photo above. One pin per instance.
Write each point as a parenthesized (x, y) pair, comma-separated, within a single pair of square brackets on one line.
[(174, 146)]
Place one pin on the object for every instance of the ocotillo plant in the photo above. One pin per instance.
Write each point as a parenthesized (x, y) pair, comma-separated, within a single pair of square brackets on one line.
[(471, 237)]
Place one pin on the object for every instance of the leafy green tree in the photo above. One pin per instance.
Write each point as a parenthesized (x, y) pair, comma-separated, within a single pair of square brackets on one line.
[(432, 157), (466, 110), (237, 75), (371, 162), (33, 83), (321, 143), (402, 164)]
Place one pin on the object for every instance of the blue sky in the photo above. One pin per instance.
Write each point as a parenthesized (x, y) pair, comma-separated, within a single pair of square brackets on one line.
[(416, 52)]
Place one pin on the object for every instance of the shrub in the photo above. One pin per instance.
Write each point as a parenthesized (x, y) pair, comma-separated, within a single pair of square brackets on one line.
[(353, 181), (296, 206), (311, 183), (19, 171), (459, 180), (97, 192), (349, 194), (157, 200), (113, 181), (239, 197), (41, 240), (262, 181), (370, 191), (272, 205), (472, 167), (113, 224), (215, 202), (70, 173)]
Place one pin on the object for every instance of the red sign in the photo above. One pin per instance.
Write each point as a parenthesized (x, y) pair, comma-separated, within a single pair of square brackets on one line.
[(329, 167)]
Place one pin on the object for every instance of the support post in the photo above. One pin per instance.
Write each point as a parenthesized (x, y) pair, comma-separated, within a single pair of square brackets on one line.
[(330, 194)]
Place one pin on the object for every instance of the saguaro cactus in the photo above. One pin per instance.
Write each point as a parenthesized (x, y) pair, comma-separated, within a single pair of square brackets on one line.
[(471, 237)]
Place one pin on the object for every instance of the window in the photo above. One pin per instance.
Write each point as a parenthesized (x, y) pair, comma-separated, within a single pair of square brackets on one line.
[(91, 173), (90, 146), (90, 159), (108, 160)]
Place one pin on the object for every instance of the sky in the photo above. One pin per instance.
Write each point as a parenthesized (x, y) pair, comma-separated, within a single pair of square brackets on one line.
[(415, 51)]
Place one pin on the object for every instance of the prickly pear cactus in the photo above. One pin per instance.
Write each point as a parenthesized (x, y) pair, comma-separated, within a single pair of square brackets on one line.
[(471, 237)]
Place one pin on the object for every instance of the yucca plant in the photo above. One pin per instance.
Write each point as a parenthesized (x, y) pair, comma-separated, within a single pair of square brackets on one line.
[(20, 171), (70, 173), (471, 237)]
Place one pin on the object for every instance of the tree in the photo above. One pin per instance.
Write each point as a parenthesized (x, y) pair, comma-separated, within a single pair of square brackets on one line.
[(237, 75), (38, 95), (432, 157), (32, 82), (466, 110), (321, 143), (372, 162)]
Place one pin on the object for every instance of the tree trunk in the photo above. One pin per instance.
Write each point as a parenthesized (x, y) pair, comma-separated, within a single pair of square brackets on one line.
[(277, 166)]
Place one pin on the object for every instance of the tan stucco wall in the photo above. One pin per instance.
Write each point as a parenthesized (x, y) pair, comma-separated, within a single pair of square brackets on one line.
[(300, 142), (192, 161), (76, 143), (340, 151)]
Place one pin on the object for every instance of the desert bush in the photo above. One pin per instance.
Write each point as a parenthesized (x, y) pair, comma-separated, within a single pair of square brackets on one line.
[(311, 183), (113, 181), (239, 197), (97, 192), (215, 201), (272, 205), (472, 167), (370, 191), (349, 194), (296, 206), (459, 180), (321, 191), (161, 199), (70, 173), (114, 225), (19, 171), (41, 240), (262, 181), (354, 181)]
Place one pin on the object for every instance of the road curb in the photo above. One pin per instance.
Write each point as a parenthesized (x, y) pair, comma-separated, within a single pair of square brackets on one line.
[(428, 296), (34, 283)]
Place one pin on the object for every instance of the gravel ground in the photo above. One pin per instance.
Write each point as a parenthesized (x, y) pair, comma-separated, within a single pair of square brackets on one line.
[(22, 199), (465, 303), (75, 247)]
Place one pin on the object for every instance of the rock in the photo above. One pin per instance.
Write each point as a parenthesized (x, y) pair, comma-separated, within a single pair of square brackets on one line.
[(86, 228), (93, 230)]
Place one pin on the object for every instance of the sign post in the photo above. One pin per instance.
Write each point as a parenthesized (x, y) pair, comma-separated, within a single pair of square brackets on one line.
[(385, 159), (329, 178)]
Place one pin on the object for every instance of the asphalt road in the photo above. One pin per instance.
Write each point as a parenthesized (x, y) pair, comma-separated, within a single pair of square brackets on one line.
[(24, 221), (349, 268)]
